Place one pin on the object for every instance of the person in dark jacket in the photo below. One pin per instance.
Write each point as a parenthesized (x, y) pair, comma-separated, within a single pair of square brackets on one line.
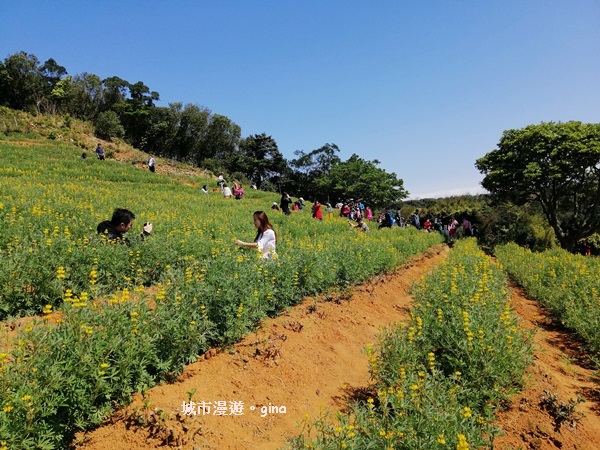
[(285, 203), (120, 223)]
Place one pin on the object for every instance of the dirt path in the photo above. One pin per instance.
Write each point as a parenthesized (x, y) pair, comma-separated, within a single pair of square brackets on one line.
[(304, 360), (559, 368)]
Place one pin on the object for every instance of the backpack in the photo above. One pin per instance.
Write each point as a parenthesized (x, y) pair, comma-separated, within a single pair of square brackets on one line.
[(391, 218)]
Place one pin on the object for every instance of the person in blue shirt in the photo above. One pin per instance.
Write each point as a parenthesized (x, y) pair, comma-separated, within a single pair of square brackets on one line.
[(100, 152)]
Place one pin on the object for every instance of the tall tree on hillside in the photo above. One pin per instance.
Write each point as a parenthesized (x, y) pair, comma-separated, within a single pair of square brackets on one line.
[(21, 80), (86, 95), (162, 132), (358, 178), (26, 83), (193, 125), (261, 158), (222, 137), (52, 73), (555, 164), (308, 167), (141, 96), (115, 92), (4, 85), (135, 113)]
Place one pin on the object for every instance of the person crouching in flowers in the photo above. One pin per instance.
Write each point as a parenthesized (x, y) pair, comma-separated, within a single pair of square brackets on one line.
[(266, 238), (120, 223)]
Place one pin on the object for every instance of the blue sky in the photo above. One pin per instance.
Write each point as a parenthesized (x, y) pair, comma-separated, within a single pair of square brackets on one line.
[(425, 87)]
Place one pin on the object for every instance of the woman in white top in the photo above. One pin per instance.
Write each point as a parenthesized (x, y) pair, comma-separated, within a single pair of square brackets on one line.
[(266, 239)]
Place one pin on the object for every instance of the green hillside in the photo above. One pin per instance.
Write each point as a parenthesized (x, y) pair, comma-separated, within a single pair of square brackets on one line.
[(131, 316)]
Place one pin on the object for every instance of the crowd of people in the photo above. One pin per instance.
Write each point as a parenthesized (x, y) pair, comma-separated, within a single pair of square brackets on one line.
[(449, 225), (237, 192), (356, 212)]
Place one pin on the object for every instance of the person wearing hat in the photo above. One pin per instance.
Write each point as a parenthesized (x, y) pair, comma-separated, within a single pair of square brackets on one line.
[(300, 204), (329, 211), (285, 204), (275, 206)]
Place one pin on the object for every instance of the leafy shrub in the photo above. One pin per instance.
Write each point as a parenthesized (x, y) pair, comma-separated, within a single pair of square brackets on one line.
[(500, 224), (67, 120), (268, 186), (108, 126)]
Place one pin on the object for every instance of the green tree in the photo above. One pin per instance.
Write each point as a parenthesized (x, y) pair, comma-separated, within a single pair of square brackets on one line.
[(193, 125), (136, 113), (162, 131), (86, 95), (108, 125), (222, 137), (358, 178), (21, 80), (61, 94), (505, 222), (115, 92), (555, 164), (27, 84), (260, 158), (308, 167)]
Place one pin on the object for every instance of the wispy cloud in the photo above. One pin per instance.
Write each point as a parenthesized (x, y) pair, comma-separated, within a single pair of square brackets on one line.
[(472, 190)]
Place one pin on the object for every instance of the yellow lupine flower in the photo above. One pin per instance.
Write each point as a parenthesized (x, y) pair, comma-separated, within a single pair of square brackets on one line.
[(60, 273), (462, 442)]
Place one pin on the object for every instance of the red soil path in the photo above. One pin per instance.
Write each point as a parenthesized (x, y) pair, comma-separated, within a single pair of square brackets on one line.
[(560, 367)]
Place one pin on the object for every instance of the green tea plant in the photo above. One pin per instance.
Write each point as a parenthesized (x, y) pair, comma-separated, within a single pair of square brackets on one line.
[(437, 377)]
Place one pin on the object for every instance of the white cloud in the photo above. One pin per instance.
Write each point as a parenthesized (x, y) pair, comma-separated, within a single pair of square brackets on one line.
[(473, 190)]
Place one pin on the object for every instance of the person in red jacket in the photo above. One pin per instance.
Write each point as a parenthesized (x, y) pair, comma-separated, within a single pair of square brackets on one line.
[(316, 211)]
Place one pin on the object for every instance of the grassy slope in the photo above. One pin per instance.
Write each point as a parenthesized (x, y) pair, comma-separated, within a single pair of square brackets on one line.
[(81, 134)]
